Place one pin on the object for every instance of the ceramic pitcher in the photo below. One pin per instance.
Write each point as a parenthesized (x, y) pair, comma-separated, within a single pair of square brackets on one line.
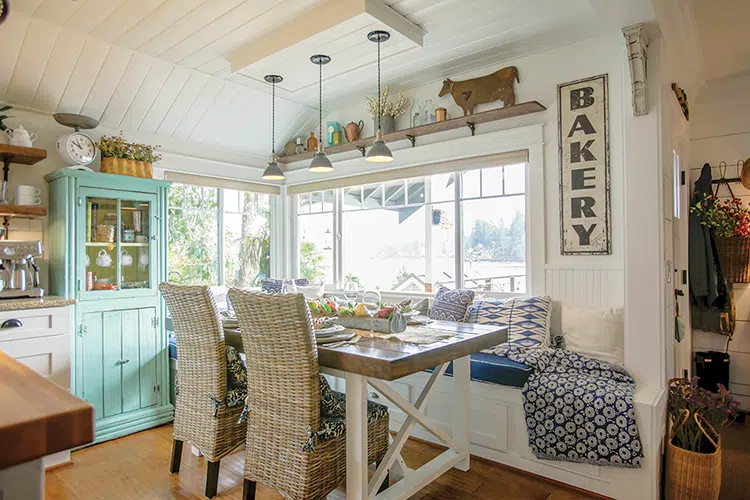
[(19, 136), (353, 130)]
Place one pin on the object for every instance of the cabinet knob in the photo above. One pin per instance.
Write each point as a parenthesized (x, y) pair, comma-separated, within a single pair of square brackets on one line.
[(12, 323)]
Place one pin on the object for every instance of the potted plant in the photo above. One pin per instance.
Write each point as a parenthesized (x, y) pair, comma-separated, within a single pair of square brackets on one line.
[(389, 110), (126, 158), (730, 223), (3, 126), (697, 417)]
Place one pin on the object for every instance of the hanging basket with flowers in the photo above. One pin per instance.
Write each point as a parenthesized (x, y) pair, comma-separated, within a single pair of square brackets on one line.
[(127, 158), (730, 222)]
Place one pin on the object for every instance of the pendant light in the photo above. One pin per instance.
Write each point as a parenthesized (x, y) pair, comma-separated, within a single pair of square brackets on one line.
[(273, 171), (320, 162), (379, 152)]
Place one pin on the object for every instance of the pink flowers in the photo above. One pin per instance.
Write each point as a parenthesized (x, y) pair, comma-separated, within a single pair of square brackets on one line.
[(726, 217)]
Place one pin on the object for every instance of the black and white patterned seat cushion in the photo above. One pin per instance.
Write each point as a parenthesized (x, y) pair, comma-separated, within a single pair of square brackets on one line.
[(333, 412), (270, 285), (451, 305)]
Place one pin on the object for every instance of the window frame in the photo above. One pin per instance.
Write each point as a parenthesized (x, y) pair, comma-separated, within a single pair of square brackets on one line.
[(220, 214), (458, 199)]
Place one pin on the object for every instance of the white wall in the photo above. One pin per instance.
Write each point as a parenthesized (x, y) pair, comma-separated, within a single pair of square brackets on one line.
[(720, 131), (577, 279)]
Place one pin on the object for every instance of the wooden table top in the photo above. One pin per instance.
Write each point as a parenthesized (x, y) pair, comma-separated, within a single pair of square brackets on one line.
[(392, 359), (38, 417)]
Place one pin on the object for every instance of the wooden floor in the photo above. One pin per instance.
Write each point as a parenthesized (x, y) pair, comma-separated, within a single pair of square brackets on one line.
[(136, 467)]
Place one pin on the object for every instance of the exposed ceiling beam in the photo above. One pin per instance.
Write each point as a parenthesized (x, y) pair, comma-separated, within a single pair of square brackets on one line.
[(325, 16)]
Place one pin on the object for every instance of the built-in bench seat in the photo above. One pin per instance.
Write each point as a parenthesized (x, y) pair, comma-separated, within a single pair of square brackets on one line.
[(493, 369)]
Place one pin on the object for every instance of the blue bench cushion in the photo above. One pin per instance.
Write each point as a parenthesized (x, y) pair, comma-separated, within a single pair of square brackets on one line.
[(495, 370)]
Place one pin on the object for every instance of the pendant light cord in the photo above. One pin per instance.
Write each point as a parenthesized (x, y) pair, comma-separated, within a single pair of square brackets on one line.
[(273, 119), (320, 107), (380, 111)]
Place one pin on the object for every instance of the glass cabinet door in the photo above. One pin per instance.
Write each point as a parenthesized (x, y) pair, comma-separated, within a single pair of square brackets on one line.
[(119, 241)]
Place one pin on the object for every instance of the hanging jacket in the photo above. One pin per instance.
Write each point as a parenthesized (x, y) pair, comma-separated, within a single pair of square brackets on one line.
[(710, 295)]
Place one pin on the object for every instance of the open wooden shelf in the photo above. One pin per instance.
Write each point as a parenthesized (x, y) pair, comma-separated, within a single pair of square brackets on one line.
[(23, 211), (431, 128), (21, 155), (122, 245)]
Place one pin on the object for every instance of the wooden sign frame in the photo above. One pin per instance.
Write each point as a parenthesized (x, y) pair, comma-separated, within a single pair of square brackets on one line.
[(583, 148)]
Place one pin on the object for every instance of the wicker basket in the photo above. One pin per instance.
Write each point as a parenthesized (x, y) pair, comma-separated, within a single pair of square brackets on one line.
[(691, 475), (130, 168), (734, 255)]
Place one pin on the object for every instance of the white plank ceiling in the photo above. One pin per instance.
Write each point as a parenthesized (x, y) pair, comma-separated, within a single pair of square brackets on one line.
[(159, 66)]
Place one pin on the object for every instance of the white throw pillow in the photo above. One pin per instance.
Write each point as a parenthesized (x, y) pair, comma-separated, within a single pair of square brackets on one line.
[(597, 333)]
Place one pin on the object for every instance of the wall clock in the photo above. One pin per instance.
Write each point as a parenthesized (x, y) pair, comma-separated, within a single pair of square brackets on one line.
[(76, 148)]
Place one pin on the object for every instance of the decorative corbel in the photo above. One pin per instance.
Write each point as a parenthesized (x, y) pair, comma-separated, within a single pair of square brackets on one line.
[(637, 42)]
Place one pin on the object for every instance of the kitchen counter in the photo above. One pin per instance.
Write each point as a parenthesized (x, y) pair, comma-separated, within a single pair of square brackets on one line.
[(35, 303), (39, 418)]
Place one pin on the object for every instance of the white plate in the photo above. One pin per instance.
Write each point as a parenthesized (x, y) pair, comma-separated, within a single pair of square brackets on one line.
[(330, 330)]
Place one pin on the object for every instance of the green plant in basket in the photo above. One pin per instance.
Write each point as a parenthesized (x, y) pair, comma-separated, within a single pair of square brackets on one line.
[(117, 147), (727, 218)]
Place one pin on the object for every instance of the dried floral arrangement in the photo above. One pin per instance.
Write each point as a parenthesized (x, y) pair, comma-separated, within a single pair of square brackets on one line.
[(3, 116), (726, 217), (389, 108), (117, 147), (701, 411)]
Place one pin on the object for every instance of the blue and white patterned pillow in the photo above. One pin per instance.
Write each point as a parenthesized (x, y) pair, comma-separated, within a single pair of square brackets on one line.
[(527, 318), (451, 305), (270, 285)]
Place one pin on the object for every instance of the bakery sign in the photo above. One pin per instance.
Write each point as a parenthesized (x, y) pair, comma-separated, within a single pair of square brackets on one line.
[(583, 128)]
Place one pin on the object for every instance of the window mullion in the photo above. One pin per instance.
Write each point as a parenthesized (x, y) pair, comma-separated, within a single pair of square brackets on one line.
[(458, 232), (338, 264), (220, 236)]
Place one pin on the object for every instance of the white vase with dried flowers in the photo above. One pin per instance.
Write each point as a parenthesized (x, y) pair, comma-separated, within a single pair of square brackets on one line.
[(389, 110)]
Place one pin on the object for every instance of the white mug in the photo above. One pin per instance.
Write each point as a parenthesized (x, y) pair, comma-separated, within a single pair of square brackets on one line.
[(141, 238), (126, 259), (104, 259), (28, 195)]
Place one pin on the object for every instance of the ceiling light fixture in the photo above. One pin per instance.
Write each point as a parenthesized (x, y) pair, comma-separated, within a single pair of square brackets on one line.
[(320, 162), (379, 152), (273, 171)]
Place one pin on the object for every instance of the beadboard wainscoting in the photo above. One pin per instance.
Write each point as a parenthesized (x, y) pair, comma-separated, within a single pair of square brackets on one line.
[(585, 287)]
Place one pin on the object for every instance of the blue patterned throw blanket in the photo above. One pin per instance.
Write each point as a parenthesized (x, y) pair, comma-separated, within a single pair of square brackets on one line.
[(579, 409)]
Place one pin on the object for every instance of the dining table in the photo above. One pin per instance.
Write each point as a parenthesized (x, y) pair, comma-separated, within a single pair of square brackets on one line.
[(375, 360)]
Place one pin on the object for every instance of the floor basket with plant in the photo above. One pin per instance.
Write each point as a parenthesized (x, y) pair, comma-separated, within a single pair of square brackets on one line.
[(127, 158), (730, 223), (696, 417)]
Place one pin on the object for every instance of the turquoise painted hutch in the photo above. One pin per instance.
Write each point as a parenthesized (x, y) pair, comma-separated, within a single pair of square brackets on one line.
[(107, 238)]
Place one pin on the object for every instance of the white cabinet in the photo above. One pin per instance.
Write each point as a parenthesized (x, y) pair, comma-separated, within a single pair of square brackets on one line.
[(41, 339)]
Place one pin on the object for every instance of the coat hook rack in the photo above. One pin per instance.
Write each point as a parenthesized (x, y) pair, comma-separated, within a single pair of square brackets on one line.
[(722, 166)]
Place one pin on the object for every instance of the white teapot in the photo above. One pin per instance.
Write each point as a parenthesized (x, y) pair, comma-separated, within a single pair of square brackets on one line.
[(19, 136), (126, 259), (104, 259)]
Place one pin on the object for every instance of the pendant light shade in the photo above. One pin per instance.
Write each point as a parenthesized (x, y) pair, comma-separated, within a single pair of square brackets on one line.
[(273, 171), (320, 163), (379, 152)]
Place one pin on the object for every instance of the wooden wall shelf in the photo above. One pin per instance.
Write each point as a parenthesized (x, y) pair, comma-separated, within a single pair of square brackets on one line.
[(411, 134), (23, 211), (21, 155)]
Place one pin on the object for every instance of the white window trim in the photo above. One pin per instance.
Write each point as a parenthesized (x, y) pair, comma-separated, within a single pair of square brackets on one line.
[(529, 138)]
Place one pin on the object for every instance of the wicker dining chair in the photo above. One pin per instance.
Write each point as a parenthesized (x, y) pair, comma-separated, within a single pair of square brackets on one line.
[(206, 412), (291, 445)]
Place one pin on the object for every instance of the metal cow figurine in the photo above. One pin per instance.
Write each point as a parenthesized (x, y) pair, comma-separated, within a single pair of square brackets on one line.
[(469, 93)]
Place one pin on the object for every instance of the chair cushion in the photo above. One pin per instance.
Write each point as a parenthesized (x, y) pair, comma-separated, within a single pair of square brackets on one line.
[(333, 412), (451, 305), (527, 318), (270, 285), (236, 370), (495, 370)]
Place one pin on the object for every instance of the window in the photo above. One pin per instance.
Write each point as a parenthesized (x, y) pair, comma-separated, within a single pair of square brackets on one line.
[(218, 236), (315, 224), (401, 235)]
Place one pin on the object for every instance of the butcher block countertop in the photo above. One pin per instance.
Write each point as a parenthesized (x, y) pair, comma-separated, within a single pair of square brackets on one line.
[(37, 303), (38, 417)]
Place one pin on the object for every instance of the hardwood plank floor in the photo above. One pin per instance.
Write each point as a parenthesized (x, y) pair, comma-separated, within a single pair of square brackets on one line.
[(137, 467)]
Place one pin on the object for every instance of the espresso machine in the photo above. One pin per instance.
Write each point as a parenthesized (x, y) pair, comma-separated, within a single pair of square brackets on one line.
[(18, 270)]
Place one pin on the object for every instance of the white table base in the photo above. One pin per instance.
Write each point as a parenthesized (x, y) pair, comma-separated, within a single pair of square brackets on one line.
[(457, 455)]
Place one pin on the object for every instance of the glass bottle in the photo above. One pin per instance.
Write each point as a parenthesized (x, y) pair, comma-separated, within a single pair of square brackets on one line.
[(299, 148), (312, 142)]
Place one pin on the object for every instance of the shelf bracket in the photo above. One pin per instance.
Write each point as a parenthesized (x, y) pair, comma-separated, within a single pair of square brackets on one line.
[(6, 225), (472, 126), (412, 139), (361, 150)]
